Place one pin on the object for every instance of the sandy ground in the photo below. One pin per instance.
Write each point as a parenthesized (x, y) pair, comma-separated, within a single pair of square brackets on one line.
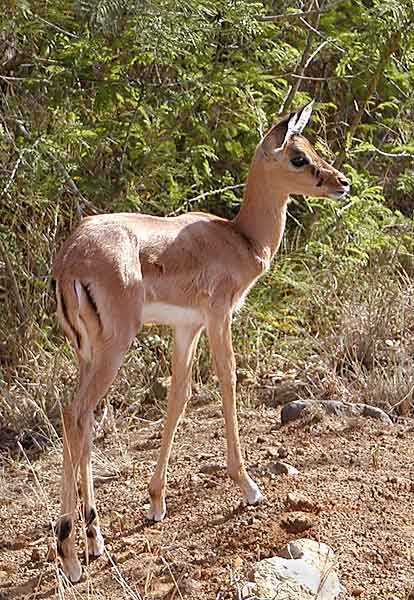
[(358, 475)]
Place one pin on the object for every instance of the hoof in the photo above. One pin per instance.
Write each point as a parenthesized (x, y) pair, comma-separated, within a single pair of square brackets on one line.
[(96, 546), (155, 516), (253, 496), (72, 570), (157, 511)]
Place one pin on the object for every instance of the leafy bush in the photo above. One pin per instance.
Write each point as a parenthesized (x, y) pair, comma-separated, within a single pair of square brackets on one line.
[(154, 106)]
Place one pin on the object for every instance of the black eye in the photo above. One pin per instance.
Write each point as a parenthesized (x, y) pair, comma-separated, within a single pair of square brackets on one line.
[(299, 161)]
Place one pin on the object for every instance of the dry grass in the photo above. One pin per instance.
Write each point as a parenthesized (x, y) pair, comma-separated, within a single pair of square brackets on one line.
[(359, 347), (367, 353)]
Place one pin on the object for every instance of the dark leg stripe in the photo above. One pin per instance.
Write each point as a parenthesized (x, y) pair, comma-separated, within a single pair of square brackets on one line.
[(92, 301), (90, 516), (62, 531)]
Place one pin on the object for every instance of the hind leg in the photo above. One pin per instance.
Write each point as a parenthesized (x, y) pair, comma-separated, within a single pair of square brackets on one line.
[(64, 528), (96, 379), (95, 541), (77, 424)]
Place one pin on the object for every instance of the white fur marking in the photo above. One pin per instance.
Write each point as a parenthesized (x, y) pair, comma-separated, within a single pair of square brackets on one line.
[(169, 314), (303, 118)]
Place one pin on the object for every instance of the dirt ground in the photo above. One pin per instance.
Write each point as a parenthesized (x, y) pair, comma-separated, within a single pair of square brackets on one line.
[(358, 475)]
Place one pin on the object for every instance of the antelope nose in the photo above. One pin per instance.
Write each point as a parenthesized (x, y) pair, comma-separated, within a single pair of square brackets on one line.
[(343, 181)]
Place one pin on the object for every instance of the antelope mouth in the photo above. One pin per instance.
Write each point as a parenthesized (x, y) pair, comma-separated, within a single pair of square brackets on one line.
[(340, 193)]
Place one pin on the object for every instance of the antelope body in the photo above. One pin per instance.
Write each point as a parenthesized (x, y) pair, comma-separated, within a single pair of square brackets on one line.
[(117, 272)]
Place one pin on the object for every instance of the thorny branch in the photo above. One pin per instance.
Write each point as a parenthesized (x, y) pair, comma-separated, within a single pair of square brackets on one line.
[(68, 179), (14, 286)]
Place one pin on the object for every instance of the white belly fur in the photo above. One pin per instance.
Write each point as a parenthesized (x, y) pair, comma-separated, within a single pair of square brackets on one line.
[(169, 314)]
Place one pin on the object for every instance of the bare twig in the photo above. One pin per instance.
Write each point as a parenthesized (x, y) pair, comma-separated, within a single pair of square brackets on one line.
[(205, 195), (328, 39), (176, 586), (306, 78), (134, 594), (382, 153), (296, 15), (13, 174), (304, 61), (315, 52), (388, 49), (54, 26)]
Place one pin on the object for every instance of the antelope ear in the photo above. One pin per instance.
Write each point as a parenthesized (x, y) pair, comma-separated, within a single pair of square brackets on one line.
[(279, 135), (302, 118)]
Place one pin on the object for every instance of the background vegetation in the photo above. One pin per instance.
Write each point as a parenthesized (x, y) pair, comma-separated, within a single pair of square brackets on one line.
[(156, 106)]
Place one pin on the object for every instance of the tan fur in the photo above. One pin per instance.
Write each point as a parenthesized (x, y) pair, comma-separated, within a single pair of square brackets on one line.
[(114, 265)]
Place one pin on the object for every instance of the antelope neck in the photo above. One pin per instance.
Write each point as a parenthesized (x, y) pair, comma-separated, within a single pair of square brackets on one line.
[(262, 215)]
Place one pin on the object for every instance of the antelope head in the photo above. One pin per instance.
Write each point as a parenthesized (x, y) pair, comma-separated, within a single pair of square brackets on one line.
[(291, 158)]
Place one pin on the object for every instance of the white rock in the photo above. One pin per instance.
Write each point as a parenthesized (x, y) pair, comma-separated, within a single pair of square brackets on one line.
[(309, 574), (282, 468)]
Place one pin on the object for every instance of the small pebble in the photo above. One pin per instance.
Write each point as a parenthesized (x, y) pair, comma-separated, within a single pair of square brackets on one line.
[(272, 453), (298, 501), (211, 468), (281, 468), (297, 522), (283, 452), (51, 553), (36, 555)]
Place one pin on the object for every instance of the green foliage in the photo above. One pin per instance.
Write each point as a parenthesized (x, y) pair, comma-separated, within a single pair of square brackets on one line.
[(146, 105)]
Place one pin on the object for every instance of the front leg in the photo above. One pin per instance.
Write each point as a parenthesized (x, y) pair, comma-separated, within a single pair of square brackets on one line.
[(219, 333), (185, 344)]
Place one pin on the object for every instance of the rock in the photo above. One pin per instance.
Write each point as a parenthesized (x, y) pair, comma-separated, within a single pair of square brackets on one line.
[(247, 591), (298, 548), (300, 502), (211, 468), (335, 408), (188, 585), (375, 413), (282, 468), (308, 574), (297, 522), (202, 397), (292, 410), (357, 592), (204, 559)]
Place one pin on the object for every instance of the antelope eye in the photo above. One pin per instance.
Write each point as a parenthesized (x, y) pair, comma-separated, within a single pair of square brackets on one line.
[(299, 161)]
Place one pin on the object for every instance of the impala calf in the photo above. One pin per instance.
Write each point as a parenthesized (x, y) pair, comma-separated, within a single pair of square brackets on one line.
[(117, 272)]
